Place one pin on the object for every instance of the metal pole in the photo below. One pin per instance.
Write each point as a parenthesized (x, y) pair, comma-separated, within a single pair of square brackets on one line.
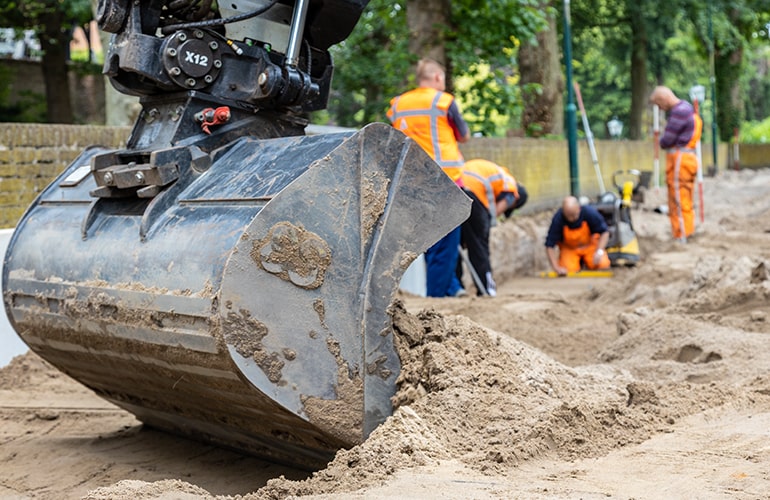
[(590, 139), (298, 18), (712, 80), (571, 109), (699, 175), (476, 278)]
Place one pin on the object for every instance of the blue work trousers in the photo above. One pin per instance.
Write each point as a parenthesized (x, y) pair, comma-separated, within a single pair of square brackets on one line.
[(441, 264)]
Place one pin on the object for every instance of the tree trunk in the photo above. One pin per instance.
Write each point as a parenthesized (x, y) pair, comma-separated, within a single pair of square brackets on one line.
[(542, 84), (639, 88), (728, 67), (54, 42), (427, 21)]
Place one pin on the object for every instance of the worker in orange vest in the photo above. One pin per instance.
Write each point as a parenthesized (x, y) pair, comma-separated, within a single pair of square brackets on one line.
[(431, 117), (494, 192), (680, 137), (581, 234)]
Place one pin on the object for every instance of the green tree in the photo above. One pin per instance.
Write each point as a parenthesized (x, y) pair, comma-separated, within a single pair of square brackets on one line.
[(497, 55), (53, 22), (371, 65), (756, 83), (484, 48), (725, 29), (672, 49), (542, 80), (631, 36), (477, 40)]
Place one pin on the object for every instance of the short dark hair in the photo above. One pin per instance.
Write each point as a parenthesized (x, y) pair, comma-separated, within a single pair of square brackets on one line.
[(520, 201)]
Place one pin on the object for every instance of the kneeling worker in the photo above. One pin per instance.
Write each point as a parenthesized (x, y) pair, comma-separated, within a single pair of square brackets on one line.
[(581, 234), (494, 192)]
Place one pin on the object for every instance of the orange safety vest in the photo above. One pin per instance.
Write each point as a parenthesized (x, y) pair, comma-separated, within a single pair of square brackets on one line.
[(422, 115), (697, 131), (580, 245), (487, 180), (579, 237)]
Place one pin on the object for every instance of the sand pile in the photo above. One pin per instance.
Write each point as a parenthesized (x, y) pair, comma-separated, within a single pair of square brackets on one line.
[(468, 393), (652, 384)]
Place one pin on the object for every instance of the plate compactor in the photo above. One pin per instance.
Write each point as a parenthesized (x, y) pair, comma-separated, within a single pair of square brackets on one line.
[(623, 245), (225, 276)]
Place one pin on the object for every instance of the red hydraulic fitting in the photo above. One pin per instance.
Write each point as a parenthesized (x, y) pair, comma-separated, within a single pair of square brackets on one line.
[(211, 116)]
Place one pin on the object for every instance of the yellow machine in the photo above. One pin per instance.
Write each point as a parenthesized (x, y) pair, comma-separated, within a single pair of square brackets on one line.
[(623, 245)]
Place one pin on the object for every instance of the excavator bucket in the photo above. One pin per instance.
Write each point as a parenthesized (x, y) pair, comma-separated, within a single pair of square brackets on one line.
[(243, 302)]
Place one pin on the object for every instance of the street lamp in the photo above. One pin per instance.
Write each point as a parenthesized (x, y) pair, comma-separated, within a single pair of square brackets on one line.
[(712, 82), (615, 127), (697, 95), (570, 113)]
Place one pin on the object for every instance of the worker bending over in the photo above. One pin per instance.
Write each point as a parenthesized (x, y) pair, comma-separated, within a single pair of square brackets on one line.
[(581, 234), (679, 139), (494, 192)]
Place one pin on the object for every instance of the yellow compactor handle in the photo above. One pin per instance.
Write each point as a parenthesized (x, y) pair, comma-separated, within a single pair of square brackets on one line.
[(586, 273)]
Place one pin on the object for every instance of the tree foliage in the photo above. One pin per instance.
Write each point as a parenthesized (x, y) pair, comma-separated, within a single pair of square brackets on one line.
[(678, 46), (725, 29), (374, 63), (52, 21), (371, 65), (631, 36), (621, 49), (31, 14), (483, 49)]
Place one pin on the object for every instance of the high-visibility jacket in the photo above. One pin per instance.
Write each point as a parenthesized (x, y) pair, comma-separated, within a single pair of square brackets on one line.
[(487, 180), (422, 115)]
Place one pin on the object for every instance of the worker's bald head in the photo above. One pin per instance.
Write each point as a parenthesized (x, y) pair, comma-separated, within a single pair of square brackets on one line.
[(570, 207), (664, 97), (431, 74)]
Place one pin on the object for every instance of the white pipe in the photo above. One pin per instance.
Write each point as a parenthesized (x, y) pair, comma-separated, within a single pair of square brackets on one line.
[(656, 135), (590, 139)]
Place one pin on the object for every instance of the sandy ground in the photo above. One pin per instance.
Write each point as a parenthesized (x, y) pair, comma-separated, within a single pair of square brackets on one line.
[(652, 384)]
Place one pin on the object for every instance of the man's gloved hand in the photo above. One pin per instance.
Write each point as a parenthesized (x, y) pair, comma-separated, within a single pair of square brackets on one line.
[(598, 254)]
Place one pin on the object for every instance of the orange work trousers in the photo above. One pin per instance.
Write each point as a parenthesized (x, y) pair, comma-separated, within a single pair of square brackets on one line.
[(681, 169), (572, 258)]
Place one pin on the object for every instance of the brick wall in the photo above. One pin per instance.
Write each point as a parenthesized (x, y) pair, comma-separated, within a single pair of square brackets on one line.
[(543, 165), (32, 155)]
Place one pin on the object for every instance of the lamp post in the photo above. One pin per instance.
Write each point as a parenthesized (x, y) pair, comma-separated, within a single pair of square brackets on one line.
[(571, 109), (697, 96), (712, 82), (615, 127)]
